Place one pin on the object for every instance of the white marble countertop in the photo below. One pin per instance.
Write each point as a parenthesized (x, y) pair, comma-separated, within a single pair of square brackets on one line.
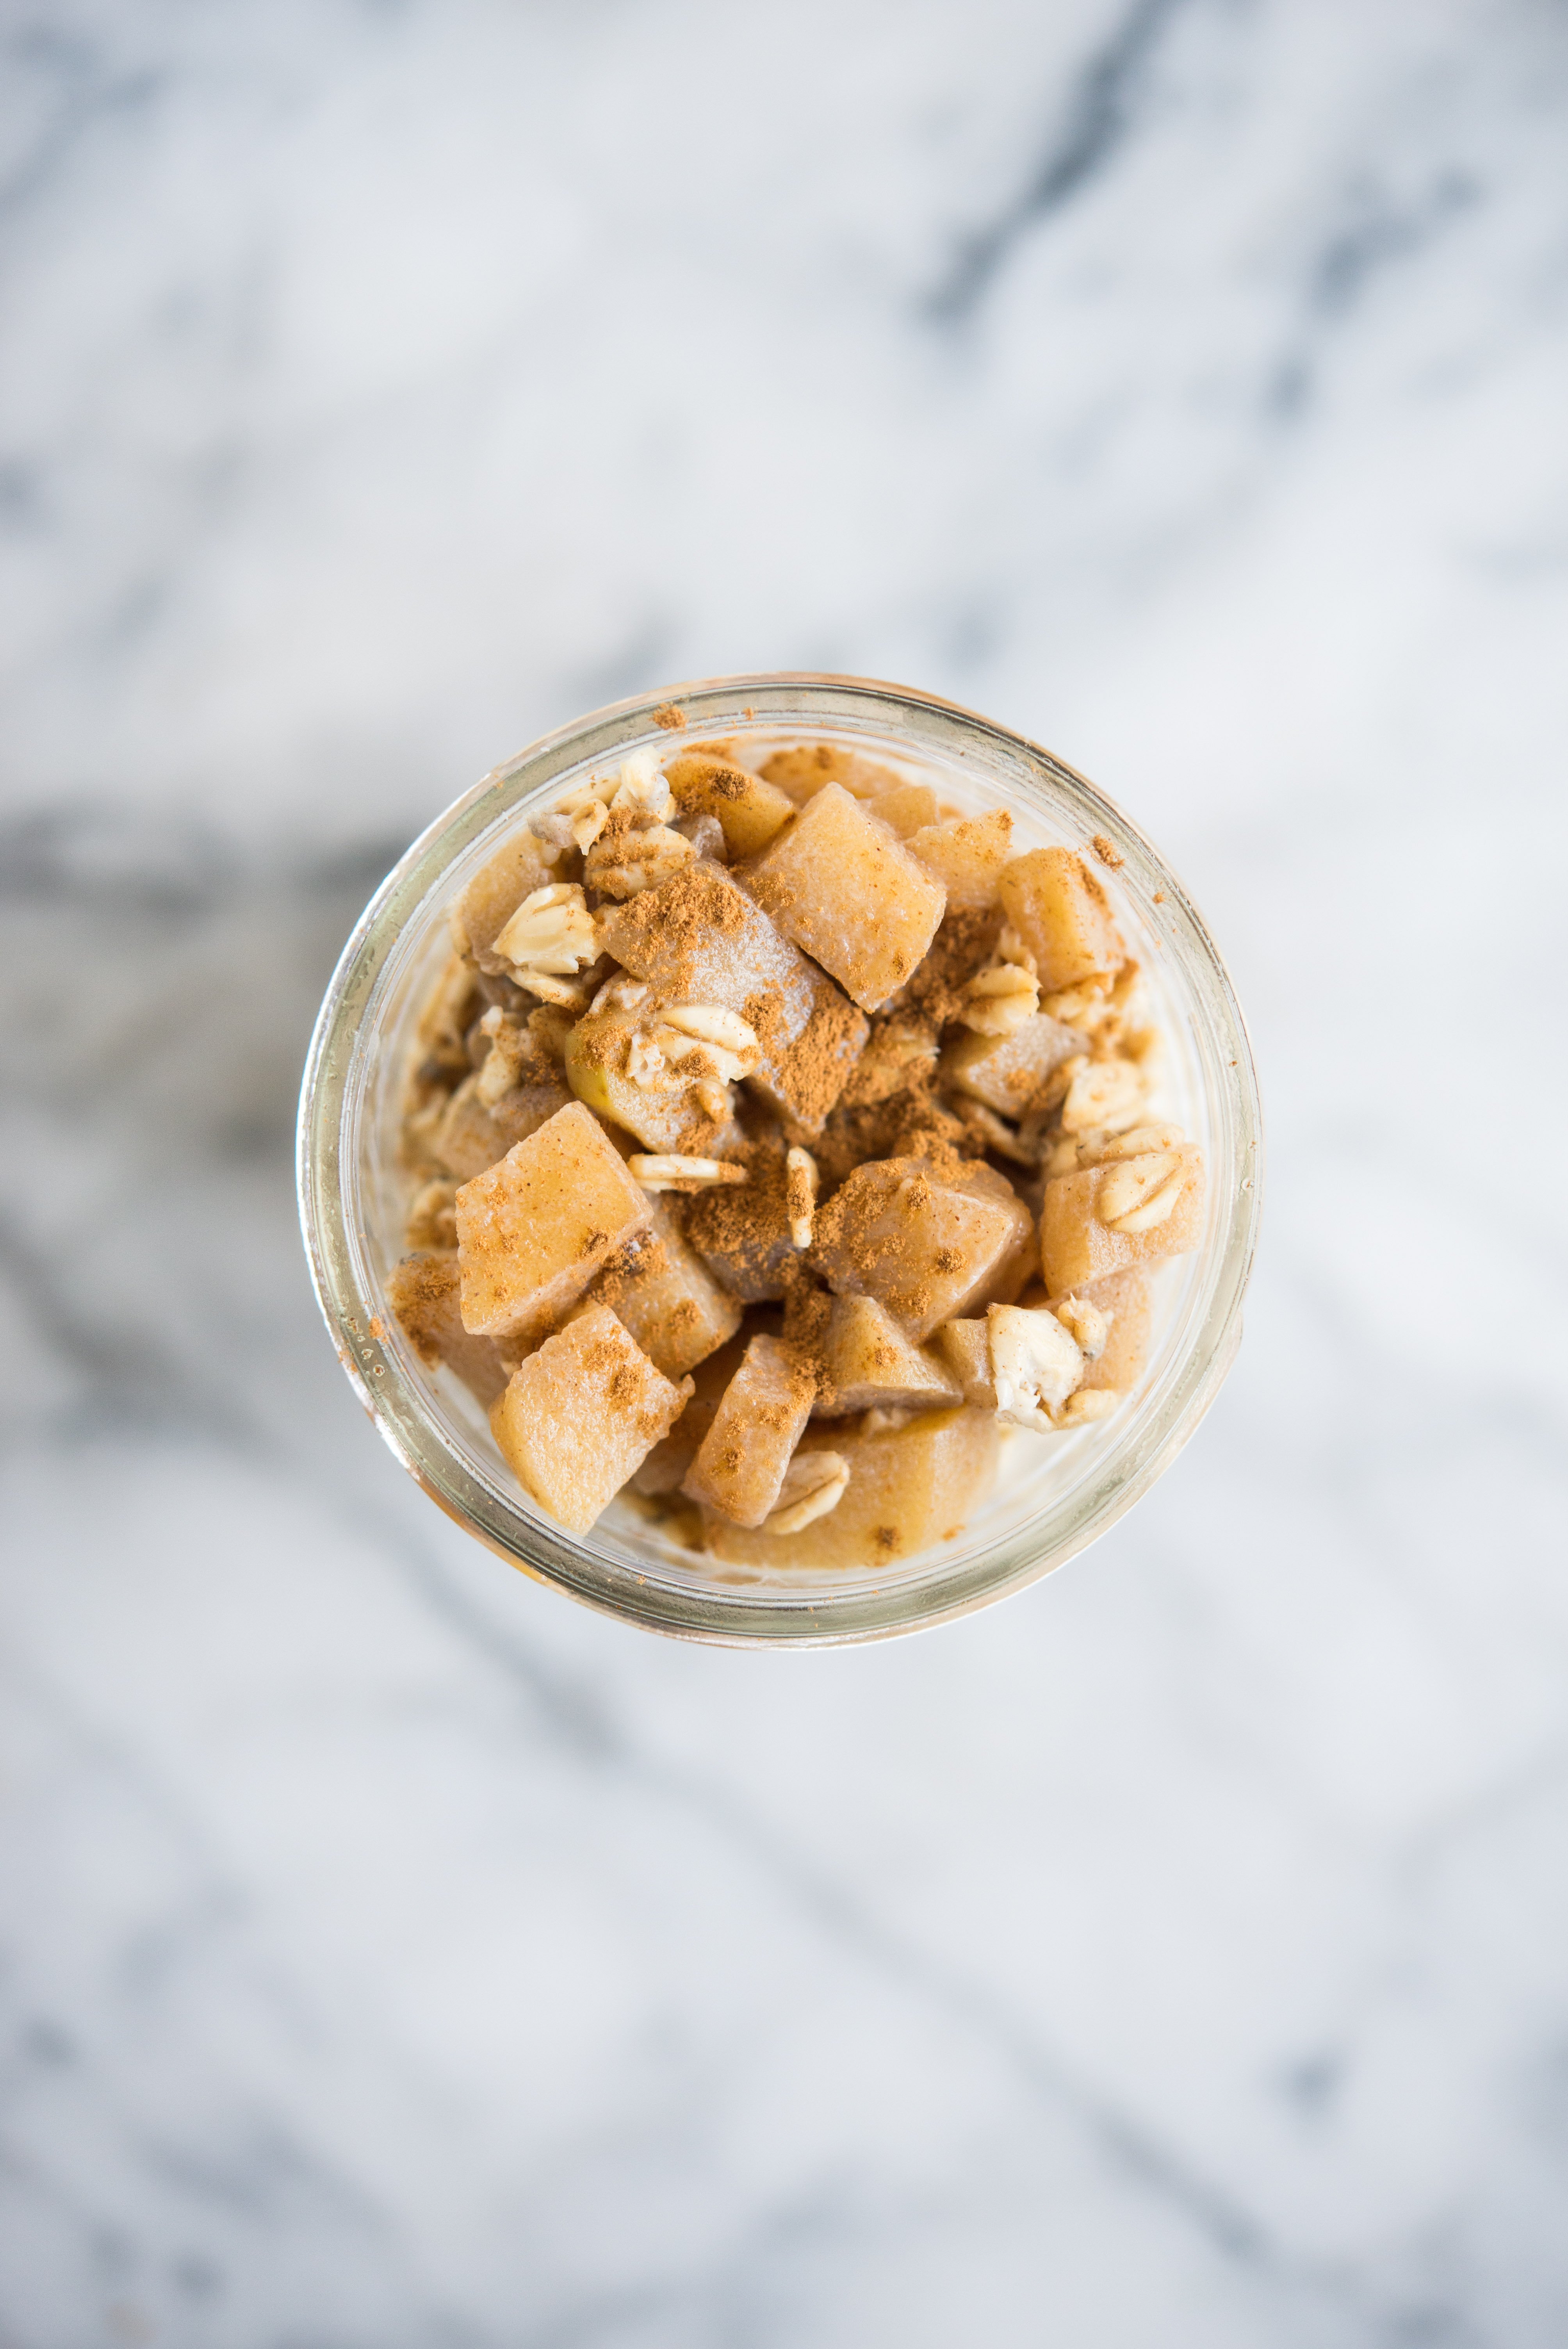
[(396, 1957)]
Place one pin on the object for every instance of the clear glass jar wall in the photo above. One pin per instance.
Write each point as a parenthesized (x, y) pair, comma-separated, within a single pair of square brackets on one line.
[(1053, 1495)]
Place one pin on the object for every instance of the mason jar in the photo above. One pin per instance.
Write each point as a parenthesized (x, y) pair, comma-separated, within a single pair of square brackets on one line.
[(1054, 1495)]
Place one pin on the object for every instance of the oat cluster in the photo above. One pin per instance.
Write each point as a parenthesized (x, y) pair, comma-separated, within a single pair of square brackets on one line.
[(777, 1139)]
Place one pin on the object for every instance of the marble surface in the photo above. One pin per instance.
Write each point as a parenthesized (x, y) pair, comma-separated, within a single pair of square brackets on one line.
[(395, 1957)]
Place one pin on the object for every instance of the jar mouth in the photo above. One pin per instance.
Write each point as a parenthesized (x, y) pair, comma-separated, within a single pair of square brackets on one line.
[(1083, 1482)]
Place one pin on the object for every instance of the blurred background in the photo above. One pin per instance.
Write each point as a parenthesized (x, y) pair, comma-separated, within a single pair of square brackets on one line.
[(395, 1957)]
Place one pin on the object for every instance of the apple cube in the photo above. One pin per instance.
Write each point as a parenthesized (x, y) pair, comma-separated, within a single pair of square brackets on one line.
[(665, 1469), (966, 853), (1127, 1301), (473, 1133), (581, 1414), (869, 1364), (1063, 915), (846, 891), (423, 1293), (907, 808), (661, 1288), (931, 1243), (493, 897), (804, 771), (700, 938), (740, 1464), (964, 1348), (536, 1228), (1129, 1211), (1005, 1072), (750, 811), (742, 1232), (666, 1112), (910, 1487)]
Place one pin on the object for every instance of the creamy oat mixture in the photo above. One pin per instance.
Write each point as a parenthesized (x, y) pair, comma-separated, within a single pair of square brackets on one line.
[(778, 1136)]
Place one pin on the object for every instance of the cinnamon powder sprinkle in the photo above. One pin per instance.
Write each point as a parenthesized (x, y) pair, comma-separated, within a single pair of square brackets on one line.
[(671, 718), (811, 1072), (745, 1223), (1106, 851)]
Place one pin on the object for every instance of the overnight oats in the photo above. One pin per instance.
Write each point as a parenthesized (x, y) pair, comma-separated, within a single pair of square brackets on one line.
[(790, 1164)]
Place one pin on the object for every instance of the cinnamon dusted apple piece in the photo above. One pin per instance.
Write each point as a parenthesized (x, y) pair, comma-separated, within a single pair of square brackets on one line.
[(474, 1132), (931, 1238), (909, 1488), (661, 1288), (750, 811), (665, 1469), (1125, 1303), (534, 1229), (580, 1415), (966, 853), (741, 1462), (700, 938), (1062, 915), (742, 1231), (1006, 1072), (869, 1364), (906, 809), (1123, 1211), (423, 1293), (846, 891), (663, 1071), (809, 768)]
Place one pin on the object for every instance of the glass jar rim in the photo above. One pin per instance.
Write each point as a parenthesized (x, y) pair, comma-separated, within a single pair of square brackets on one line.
[(395, 1396)]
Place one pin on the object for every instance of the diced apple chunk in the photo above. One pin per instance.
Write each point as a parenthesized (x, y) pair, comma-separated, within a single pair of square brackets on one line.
[(740, 1465), (1129, 1211), (534, 1229), (1063, 915), (661, 1288), (804, 771), (1005, 1072), (667, 1108), (423, 1293), (581, 1414), (473, 1133), (1018, 1362), (842, 888), (1126, 1300), (742, 1232), (493, 897), (700, 938), (665, 1469), (966, 853), (907, 808), (931, 1244), (870, 1364), (750, 811), (910, 1487), (964, 1349)]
